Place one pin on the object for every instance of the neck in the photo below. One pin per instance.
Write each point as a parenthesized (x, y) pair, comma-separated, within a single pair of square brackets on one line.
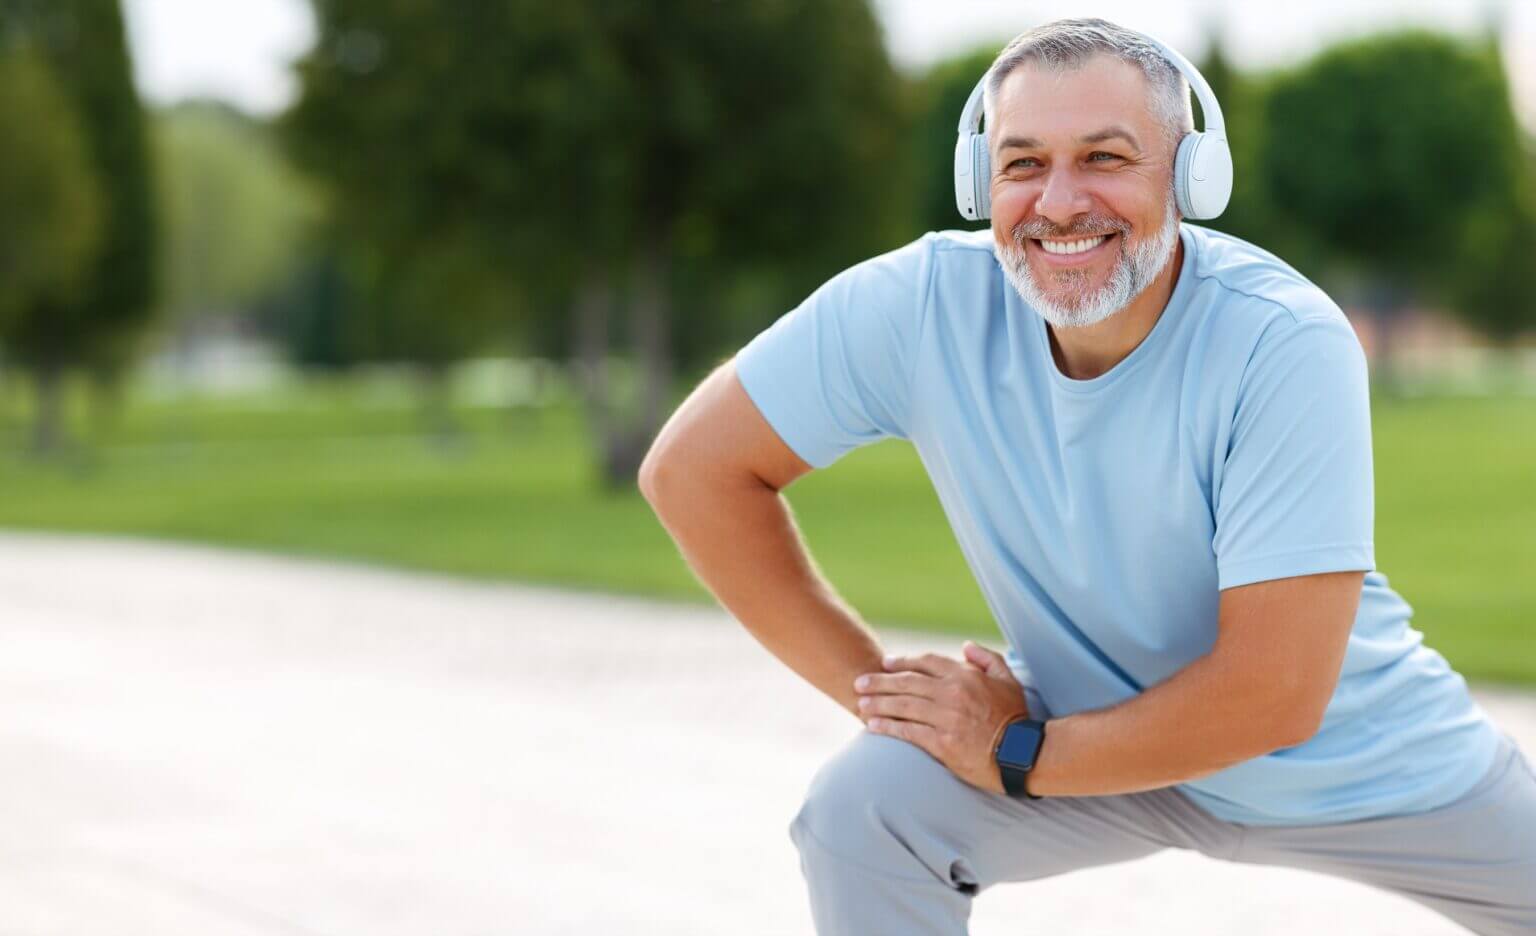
[(1087, 352)]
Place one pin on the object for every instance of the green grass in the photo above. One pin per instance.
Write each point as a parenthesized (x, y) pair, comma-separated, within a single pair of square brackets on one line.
[(342, 471)]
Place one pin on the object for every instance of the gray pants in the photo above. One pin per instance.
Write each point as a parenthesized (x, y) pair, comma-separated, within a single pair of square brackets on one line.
[(893, 843)]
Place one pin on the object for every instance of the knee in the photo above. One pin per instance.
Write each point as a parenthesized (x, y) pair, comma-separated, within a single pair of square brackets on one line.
[(860, 800)]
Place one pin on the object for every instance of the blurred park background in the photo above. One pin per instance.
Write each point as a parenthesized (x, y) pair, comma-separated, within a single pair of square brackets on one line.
[(416, 283)]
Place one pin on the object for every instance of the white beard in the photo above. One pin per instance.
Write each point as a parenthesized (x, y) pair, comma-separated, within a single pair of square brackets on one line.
[(1135, 269)]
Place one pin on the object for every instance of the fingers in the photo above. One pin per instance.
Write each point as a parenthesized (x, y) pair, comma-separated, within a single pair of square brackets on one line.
[(924, 736), (934, 664), (991, 661), (909, 683), (910, 708)]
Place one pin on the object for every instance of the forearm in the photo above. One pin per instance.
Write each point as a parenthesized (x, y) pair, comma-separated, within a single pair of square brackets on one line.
[(1205, 718), (741, 542)]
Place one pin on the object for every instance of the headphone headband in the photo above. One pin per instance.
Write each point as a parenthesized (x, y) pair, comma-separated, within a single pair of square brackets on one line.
[(1202, 170), (1210, 110)]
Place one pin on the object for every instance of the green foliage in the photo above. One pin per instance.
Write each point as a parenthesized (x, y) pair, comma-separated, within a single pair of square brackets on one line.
[(48, 192), (235, 215), (938, 99), (84, 44), (340, 469), (1385, 150), (1251, 214), (745, 143), (1494, 287), (313, 313)]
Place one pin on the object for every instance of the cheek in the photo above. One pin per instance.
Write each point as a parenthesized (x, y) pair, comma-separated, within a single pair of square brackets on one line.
[(1011, 203), (1133, 203)]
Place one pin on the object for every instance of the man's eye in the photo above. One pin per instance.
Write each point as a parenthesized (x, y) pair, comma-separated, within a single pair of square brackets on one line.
[(1102, 153), (1021, 159)]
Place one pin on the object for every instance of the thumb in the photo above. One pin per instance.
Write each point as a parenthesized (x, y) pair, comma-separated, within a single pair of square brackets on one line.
[(989, 660)]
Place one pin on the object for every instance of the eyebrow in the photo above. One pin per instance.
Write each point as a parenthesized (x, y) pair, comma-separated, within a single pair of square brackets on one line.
[(1098, 136)]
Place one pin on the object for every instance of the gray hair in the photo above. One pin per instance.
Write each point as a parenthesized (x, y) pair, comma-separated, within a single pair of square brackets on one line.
[(1064, 45)]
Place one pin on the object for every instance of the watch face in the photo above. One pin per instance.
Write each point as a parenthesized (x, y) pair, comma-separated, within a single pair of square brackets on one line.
[(1021, 740)]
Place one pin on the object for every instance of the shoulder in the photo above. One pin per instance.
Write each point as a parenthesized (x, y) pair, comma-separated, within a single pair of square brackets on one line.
[(913, 266), (897, 290), (1254, 303), (1247, 276)]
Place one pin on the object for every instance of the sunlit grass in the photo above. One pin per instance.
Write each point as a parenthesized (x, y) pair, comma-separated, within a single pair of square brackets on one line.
[(342, 471)]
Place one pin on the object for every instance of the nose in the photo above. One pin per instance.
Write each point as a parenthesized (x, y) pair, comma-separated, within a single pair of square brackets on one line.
[(1062, 198)]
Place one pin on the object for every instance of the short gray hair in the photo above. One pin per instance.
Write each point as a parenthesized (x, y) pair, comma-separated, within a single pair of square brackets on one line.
[(1067, 44)]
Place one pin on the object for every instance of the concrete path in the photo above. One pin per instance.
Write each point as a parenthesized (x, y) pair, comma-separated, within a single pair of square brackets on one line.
[(196, 741)]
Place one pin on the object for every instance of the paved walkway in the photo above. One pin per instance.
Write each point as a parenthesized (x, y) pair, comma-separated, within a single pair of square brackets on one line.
[(196, 741)]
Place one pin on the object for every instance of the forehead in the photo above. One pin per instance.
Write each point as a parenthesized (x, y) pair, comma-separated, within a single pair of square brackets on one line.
[(1060, 105)]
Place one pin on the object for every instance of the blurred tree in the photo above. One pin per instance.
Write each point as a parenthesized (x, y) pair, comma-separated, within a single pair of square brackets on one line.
[(1250, 214), (1392, 152), (310, 312), (1494, 287), (235, 215), (48, 193), (938, 97), (83, 42), (632, 165)]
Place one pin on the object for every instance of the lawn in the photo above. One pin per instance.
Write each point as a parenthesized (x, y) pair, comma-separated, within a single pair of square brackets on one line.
[(341, 470)]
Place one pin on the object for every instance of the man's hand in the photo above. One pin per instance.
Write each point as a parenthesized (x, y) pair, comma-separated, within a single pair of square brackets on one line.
[(953, 709)]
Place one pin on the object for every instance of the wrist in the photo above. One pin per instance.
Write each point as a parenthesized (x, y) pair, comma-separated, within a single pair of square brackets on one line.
[(1017, 752), (1002, 728)]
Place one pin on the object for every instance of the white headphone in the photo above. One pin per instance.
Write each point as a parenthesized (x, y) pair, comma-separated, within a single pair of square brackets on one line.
[(1202, 169)]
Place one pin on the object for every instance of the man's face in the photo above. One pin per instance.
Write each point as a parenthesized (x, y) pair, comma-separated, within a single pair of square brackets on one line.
[(1076, 156)]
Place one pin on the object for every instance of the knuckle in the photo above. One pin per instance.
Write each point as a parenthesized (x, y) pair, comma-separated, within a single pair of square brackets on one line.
[(944, 740)]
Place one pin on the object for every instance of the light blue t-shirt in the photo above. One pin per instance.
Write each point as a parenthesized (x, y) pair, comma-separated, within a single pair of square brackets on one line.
[(1101, 517)]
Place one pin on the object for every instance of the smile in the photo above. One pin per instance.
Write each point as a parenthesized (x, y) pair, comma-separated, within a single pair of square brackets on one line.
[(1073, 252)]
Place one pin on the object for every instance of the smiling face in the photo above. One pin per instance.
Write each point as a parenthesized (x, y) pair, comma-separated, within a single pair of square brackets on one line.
[(1083, 212)]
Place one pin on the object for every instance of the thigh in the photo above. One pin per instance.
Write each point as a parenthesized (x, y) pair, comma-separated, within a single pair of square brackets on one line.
[(1473, 860), (887, 804)]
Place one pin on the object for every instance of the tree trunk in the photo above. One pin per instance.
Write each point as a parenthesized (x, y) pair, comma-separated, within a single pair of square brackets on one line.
[(622, 435), (1387, 303), (105, 402), (436, 411), (48, 424), (651, 335), (594, 299)]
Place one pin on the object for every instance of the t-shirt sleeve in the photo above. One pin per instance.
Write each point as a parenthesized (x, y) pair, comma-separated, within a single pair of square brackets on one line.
[(1296, 495), (835, 372)]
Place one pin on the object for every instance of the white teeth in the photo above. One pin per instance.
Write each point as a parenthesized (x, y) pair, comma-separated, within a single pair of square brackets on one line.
[(1072, 247)]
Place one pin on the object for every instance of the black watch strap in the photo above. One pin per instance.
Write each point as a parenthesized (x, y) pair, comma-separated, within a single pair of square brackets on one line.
[(1014, 768)]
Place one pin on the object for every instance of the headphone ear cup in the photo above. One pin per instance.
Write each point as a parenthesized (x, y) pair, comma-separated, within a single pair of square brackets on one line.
[(965, 192), (1202, 176), (981, 175), (973, 177), (1210, 176), (1181, 162)]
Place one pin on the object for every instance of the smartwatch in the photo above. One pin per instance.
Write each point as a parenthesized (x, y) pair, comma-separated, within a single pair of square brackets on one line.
[(1016, 753)]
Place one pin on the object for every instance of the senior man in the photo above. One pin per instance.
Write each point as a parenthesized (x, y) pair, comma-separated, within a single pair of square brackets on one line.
[(1152, 441)]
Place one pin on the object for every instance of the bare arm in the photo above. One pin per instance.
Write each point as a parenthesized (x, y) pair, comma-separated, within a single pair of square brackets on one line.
[(1264, 686), (713, 477)]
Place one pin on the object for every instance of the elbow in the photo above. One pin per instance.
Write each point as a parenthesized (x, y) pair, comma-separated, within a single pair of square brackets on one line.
[(655, 470), (1299, 722)]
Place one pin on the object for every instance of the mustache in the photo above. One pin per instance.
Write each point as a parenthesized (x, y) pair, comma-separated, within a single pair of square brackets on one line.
[(1091, 226)]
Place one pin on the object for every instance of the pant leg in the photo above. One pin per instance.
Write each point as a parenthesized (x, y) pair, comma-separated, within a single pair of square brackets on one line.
[(1473, 860), (892, 842)]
